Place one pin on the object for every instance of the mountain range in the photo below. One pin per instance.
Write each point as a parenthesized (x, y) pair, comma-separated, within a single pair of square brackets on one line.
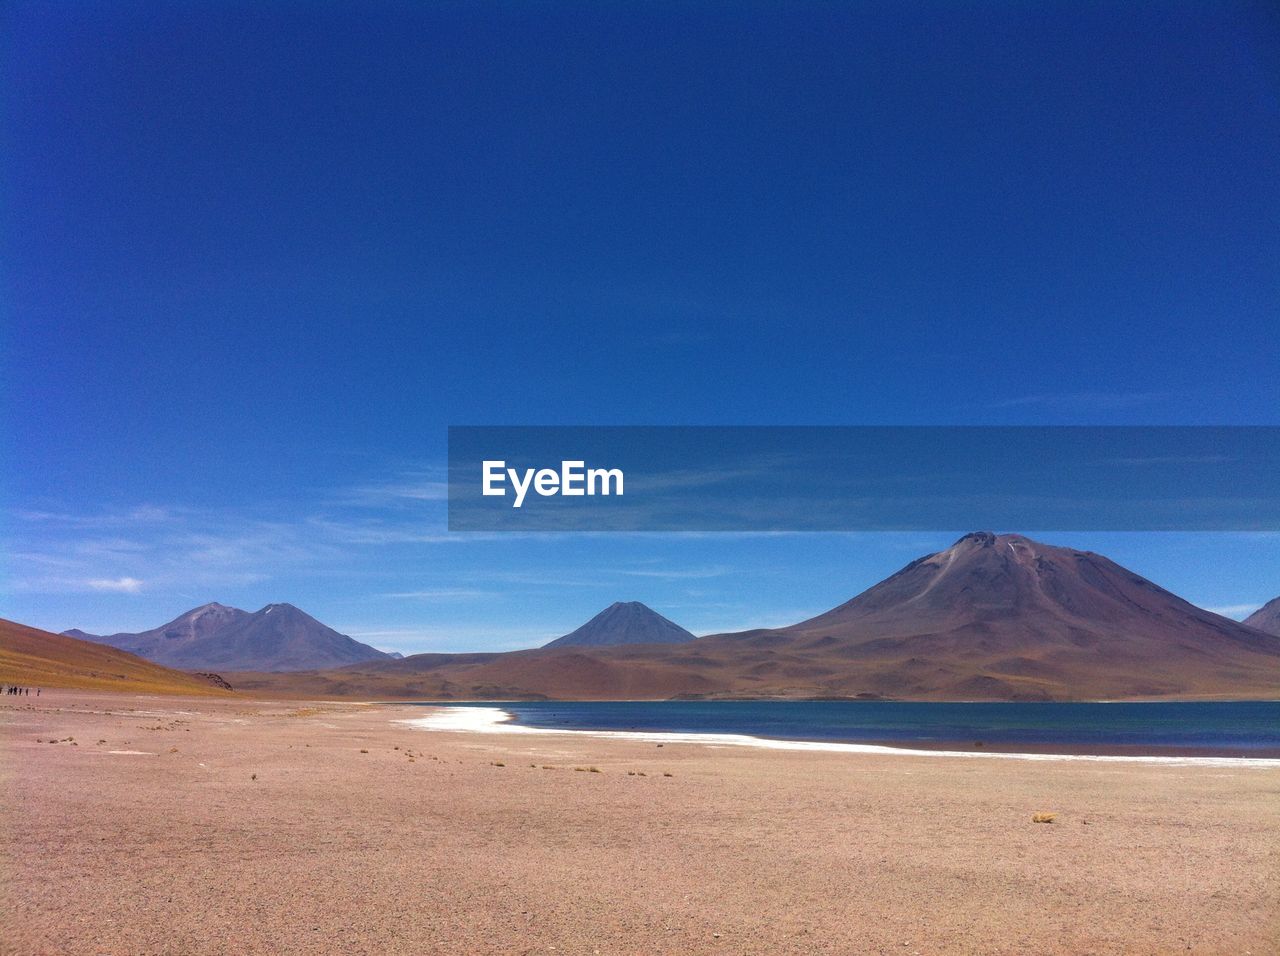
[(993, 617), (279, 637)]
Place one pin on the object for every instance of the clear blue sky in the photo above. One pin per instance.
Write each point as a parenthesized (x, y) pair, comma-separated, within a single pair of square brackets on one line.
[(256, 258)]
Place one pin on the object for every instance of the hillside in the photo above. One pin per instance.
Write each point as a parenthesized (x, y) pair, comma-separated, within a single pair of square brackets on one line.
[(35, 658), (1266, 618)]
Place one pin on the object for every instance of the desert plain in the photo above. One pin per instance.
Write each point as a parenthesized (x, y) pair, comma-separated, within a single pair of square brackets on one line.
[(174, 825)]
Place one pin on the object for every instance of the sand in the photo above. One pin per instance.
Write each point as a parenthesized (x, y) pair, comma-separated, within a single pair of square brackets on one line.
[(147, 833)]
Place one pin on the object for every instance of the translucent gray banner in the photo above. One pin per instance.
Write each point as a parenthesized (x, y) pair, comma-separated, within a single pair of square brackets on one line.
[(864, 478)]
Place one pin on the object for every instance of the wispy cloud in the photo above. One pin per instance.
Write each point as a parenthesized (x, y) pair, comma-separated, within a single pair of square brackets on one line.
[(1094, 400), (120, 585), (181, 549), (678, 574), (144, 514), (449, 640), (405, 488), (379, 531), (1172, 460), (440, 594), (1237, 611), (187, 550)]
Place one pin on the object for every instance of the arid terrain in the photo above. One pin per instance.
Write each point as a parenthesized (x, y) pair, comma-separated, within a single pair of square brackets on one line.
[(33, 658), (145, 824)]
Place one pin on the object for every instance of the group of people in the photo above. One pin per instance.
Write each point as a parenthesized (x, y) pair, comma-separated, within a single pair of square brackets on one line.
[(21, 691)]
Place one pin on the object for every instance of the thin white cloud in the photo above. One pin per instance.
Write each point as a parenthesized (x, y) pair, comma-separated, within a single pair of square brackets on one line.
[(679, 574), (118, 585), (405, 488), (440, 594), (140, 514), (464, 639), (1237, 611), (384, 533), (1094, 400)]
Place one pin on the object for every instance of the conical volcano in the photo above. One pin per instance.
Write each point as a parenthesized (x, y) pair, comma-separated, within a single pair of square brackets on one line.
[(625, 622), (1003, 615)]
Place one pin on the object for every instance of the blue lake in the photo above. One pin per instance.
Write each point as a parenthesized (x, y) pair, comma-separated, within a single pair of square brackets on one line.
[(1250, 727)]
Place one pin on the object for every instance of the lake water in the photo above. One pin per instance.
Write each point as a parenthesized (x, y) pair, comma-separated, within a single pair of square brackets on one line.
[(1247, 728)]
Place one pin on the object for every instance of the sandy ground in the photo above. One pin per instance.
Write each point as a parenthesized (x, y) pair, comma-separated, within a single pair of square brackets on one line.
[(436, 842)]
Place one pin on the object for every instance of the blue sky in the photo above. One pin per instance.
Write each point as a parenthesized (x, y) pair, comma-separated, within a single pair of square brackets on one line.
[(256, 258)]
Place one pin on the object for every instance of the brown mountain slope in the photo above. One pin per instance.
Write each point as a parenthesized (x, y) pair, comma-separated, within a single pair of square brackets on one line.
[(1005, 616), (1266, 618), (994, 617), (279, 637), (632, 672), (34, 658)]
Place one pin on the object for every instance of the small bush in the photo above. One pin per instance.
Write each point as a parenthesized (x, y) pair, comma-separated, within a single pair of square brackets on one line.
[(1043, 817)]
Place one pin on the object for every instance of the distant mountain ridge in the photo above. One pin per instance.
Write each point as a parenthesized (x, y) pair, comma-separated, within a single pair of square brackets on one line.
[(993, 617), (279, 637), (624, 622), (1266, 618)]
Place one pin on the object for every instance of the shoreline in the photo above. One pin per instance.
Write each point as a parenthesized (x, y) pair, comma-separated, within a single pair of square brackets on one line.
[(496, 720)]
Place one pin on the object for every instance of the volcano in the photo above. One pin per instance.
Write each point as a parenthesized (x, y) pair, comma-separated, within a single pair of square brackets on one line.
[(279, 637), (1003, 616), (625, 622)]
